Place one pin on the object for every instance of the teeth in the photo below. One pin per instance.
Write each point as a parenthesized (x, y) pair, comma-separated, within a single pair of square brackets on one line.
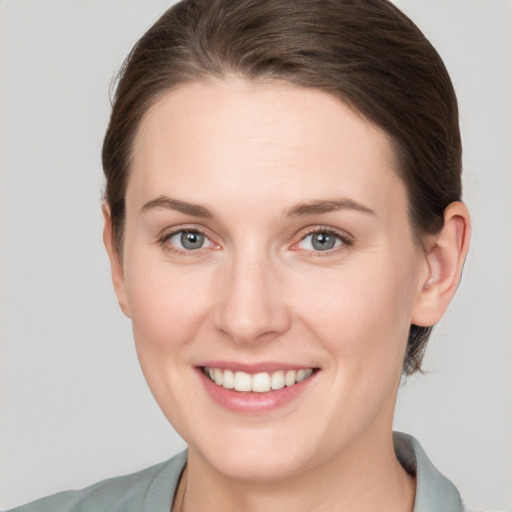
[(289, 378), (242, 381), (261, 382), (277, 380), (228, 379)]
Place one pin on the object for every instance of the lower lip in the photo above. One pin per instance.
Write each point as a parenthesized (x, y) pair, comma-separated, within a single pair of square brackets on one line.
[(252, 402)]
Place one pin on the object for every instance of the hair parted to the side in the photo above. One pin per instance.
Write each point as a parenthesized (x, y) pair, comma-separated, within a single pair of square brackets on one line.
[(367, 53)]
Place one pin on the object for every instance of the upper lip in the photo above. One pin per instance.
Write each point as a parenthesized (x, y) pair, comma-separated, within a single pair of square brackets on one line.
[(251, 368)]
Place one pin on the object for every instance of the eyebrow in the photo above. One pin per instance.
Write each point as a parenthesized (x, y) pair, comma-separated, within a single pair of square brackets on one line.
[(193, 209), (325, 206), (316, 207)]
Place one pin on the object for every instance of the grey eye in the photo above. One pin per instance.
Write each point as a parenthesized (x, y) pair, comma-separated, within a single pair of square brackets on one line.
[(189, 240), (323, 241), (320, 241)]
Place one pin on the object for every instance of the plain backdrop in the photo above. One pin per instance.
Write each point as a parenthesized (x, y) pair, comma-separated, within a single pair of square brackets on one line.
[(74, 405)]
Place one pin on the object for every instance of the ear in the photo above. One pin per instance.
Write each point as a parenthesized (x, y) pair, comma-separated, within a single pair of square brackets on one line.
[(116, 264), (444, 261)]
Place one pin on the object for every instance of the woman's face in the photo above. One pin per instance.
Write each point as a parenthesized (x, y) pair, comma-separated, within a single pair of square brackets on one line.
[(267, 232)]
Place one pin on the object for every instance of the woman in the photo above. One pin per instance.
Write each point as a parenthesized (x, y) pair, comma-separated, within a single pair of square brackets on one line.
[(284, 226)]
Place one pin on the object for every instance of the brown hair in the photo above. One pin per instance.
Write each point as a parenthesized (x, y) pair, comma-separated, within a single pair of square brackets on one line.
[(365, 52)]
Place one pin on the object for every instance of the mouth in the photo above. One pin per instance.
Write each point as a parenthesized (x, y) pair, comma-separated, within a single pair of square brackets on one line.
[(261, 382)]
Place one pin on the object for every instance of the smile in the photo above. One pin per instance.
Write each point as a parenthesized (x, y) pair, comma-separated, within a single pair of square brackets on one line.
[(261, 382)]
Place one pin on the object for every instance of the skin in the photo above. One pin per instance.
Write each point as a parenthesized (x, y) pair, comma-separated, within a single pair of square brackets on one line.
[(259, 291)]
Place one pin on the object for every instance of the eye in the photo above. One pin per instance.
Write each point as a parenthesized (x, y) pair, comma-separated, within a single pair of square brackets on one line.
[(188, 240), (322, 241)]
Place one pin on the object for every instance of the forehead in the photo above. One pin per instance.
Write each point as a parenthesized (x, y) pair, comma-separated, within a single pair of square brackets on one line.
[(228, 139)]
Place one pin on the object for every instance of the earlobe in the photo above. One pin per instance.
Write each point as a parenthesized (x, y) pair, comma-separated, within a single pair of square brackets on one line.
[(444, 260), (116, 265)]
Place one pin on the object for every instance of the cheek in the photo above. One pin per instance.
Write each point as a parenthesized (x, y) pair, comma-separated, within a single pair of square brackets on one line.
[(363, 315), (167, 305), (168, 309)]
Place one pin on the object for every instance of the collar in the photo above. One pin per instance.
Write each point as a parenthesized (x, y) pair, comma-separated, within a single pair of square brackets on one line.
[(434, 492)]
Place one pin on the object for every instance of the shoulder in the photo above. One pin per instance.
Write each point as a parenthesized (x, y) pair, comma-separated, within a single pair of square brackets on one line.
[(151, 489)]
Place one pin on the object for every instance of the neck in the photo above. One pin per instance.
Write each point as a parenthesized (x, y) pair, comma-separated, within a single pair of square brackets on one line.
[(364, 477)]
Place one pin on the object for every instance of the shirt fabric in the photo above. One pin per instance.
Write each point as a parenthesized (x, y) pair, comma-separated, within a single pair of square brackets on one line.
[(153, 489)]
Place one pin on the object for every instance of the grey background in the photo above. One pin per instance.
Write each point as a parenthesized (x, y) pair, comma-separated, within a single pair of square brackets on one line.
[(74, 405)]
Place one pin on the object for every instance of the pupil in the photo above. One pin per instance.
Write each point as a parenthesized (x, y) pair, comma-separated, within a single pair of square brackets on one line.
[(323, 241), (192, 240)]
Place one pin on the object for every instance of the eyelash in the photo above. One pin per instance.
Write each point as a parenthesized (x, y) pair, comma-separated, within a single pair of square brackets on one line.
[(164, 239), (344, 238)]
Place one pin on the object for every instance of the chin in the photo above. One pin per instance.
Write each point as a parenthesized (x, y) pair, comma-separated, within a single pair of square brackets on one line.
[(255, 454), (263, 466)]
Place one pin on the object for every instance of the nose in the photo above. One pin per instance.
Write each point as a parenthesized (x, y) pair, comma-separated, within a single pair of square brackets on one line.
[(252, 306)]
